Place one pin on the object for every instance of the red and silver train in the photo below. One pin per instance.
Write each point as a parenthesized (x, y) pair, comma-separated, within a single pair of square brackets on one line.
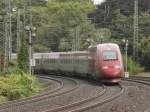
[(103, 61)]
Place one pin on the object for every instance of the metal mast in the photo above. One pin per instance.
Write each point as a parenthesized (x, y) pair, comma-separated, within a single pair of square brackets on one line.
[(2, 29), (136, 31), (18, 30), (7, 35), (30, 38), (8, 25), (10, 29), (6, 57), (2, 40)]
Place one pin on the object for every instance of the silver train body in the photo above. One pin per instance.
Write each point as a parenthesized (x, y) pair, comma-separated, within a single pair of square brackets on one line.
[(69, 63)]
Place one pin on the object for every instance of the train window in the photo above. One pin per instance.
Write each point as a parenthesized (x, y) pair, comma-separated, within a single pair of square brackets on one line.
[(109, 55)]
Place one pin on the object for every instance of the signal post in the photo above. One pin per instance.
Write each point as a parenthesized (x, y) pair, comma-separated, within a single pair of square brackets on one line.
[(31, 34)]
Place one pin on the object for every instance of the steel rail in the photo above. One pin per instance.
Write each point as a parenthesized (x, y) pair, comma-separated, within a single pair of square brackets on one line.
[(38, 97), (78, 102), (139, 80), (142, 80), (140, 77), (93, 105), (64, 108)]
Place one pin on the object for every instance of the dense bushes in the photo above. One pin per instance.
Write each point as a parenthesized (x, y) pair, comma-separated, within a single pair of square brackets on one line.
[(133, 67), (17, 86)]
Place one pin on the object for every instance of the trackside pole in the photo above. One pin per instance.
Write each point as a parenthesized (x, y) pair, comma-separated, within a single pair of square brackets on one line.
[(126, 68)]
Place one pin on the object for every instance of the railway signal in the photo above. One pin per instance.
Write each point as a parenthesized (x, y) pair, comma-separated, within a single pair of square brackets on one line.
[(31, 33), (126, 42)]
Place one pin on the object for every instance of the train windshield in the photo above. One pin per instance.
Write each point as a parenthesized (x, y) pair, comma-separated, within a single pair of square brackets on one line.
[(109, 55)]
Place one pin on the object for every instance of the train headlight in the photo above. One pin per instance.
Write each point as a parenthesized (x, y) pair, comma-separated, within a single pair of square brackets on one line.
[(105, 67), (116, 66)]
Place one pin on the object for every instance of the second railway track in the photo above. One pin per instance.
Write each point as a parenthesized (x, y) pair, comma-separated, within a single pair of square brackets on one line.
[(140, 80)]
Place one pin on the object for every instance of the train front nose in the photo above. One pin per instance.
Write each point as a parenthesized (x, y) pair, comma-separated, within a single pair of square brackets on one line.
[(111, 71)]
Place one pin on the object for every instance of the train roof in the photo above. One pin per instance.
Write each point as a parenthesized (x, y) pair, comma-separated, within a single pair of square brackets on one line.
[(104, 45), (107, 46), (60, 53)]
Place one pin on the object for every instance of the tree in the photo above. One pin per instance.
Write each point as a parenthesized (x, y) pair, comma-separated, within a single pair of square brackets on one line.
[(61, 20), (144, 51), (23, 57)]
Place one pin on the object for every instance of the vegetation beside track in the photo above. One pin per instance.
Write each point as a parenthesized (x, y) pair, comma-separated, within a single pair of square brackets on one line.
[(132, 66), (144, 74), (15, 80), (16, 86)]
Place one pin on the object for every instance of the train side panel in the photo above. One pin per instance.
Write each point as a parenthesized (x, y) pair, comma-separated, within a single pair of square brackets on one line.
[(80, 65)]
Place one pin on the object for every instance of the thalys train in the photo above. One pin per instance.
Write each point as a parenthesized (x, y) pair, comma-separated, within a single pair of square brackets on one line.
[(103, 62)]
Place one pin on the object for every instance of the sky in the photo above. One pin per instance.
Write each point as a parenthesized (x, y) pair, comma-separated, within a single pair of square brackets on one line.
[(98, 2)]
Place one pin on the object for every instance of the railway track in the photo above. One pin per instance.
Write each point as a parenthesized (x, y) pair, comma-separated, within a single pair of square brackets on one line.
[(110, 94), (140, 80), (72, 105), (14, 106)]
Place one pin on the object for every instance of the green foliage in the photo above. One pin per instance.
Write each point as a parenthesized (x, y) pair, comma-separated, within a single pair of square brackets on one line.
[(18, 2), (103, 35), (13, 67), (81, 1), (133, 67), (17, 86), (64, 45), (23, 57), (144, 52), (2, 13), (3, 99), (33, 2), (1, 6), (40, 47), (60, 21)]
